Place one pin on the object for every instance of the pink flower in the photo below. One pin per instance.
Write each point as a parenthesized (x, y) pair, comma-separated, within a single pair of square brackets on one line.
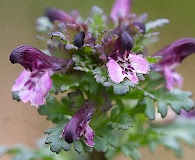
[(172, 55), (34, 83), (127, 66), (33, 87), (121, 8)]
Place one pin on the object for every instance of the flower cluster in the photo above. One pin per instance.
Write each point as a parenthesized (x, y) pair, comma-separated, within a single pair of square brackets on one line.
[(88, 58)]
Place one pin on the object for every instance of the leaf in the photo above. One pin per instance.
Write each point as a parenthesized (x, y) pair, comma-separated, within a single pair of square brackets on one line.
[(100, 144), (177, 99), (56, 143), (119, 119), (150, 109), (86, 148), (121, 88), (153, 59), (156, 23), (65, 81), (100, 75), (130, 149), (109, 136), (54, 110), (170, 136), (59, 35), (78, 146)]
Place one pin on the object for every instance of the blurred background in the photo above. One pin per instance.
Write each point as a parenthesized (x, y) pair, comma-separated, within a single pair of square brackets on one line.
[(20, 123)]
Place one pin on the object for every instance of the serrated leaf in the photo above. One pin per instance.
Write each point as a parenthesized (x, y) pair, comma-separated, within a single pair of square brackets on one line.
[(109, 136), (86, 148), (121, 88), (56, 143), (100, 144), (157, 23), (100, 75), (65, 81), (78, 146), (170, 136), (54, 110), (177, 99), (150, 109), (121, 121), (162, 108), (130, 149), (59, 35)]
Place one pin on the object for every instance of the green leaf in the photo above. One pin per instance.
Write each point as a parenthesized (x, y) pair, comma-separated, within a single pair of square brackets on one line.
[(108, 134), (153, 59), (130, 149), (170, 136), (54, 110), (150, 108), (119, 119), (86, 148), (121, 88), (59, 35), (176, 98), (100, 75), (100, 144), (78, 146), (157, 23), (56, 143), (65, 81), (97, 21)]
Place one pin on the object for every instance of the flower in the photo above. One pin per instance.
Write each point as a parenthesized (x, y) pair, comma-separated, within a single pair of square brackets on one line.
[(127, 66), (172, 55), (55, 14), (190, 114), (79, 127), (121, 8), (122, 63), (34, 83)]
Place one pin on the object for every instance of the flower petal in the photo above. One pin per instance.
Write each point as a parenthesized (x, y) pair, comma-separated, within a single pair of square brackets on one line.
[(121, 8), (172, 78), (41, 89), (78, 125), (21, 80), (175, 52), (139, 64), (132, 77), (115, 71), (57, 14), (33, 87), (35, 60), (88, 136)]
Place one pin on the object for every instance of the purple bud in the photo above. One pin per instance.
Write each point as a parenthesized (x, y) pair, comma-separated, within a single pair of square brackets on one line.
[(79, 39), (79, 127), (56, 14), (124, 42), (141, 26), (35, 60)]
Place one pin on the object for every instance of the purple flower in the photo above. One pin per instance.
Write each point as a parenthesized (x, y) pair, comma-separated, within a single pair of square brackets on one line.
[(55, 14), (34, 83), (121, 8), (190, 114), (79, 127), (172, 55), (127, 66)]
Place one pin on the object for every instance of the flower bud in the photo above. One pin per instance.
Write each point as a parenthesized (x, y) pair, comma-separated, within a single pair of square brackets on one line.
[(79, 39)]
